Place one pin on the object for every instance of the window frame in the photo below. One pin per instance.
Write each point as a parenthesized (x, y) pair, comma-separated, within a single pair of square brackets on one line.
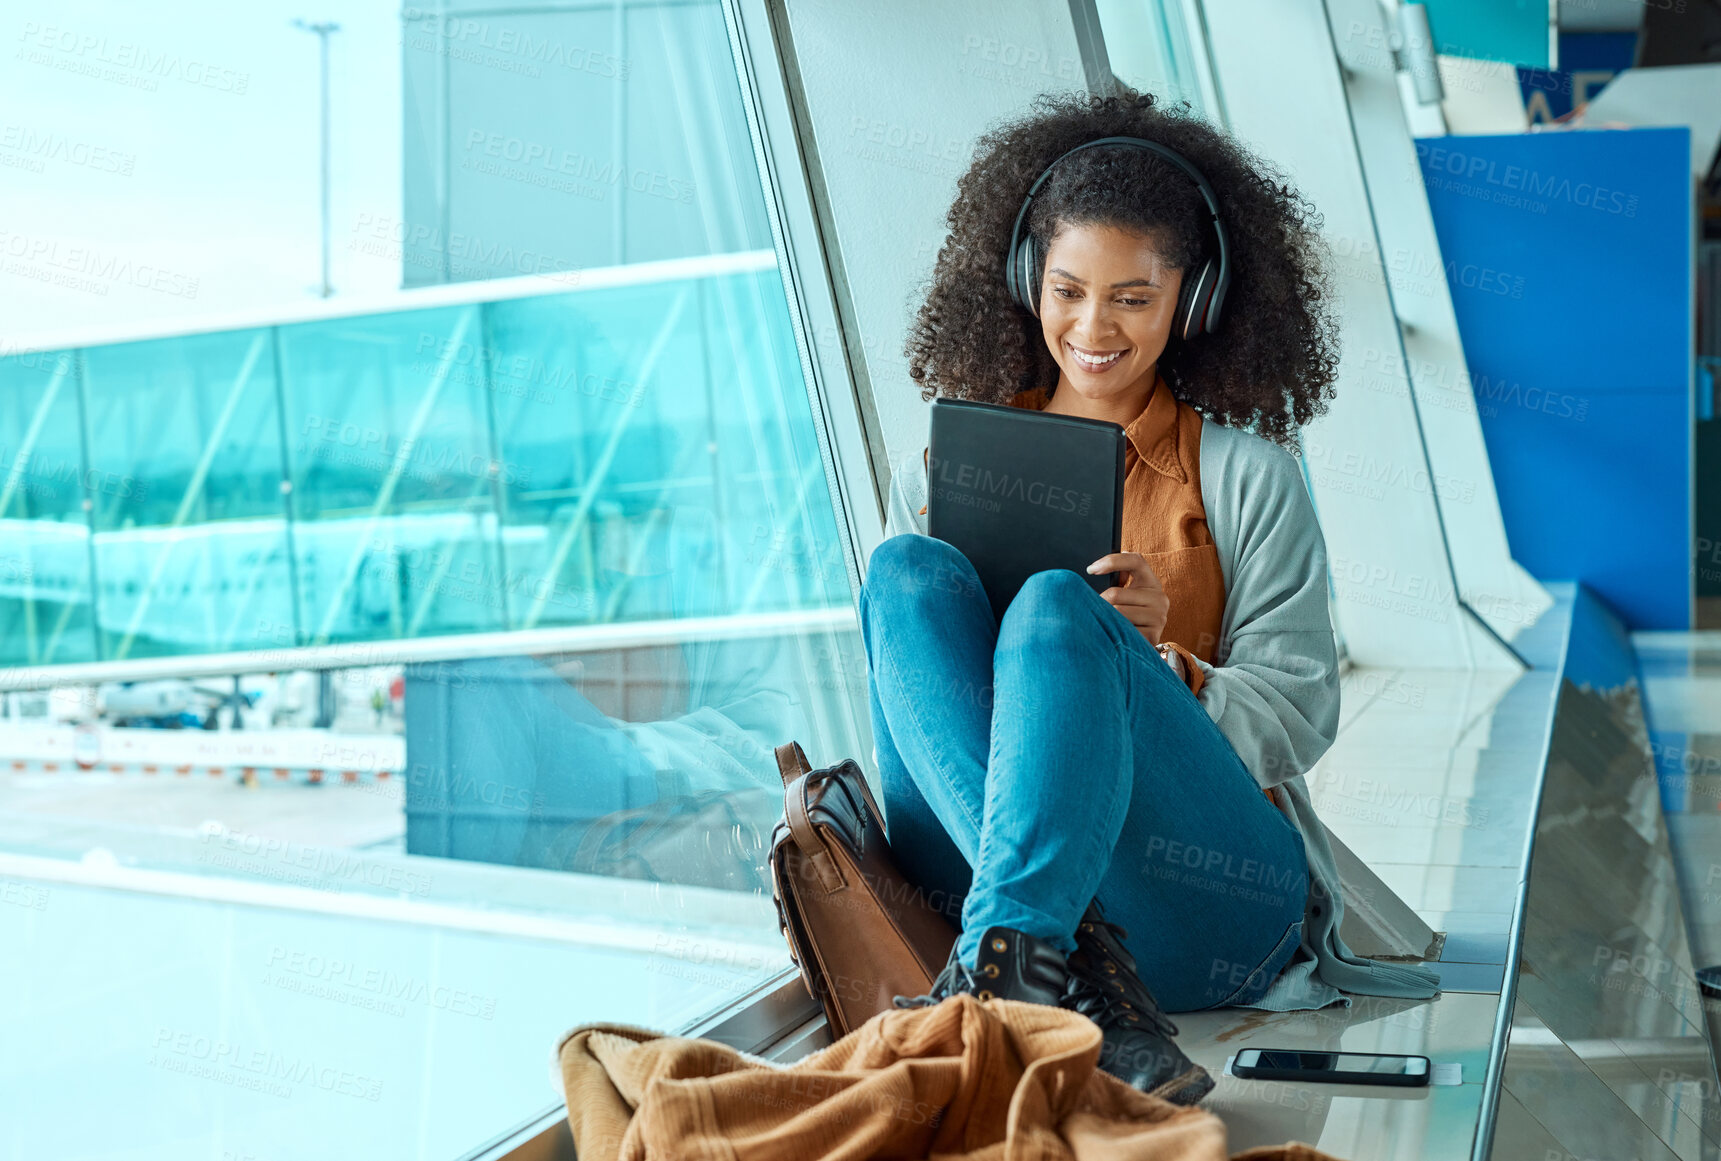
[(850, 442)]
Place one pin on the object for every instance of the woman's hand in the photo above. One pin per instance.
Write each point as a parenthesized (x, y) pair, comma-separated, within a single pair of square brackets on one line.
[(1141, 598)]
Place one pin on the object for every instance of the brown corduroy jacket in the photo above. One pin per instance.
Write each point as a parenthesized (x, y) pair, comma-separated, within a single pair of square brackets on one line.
[(963, 1081)]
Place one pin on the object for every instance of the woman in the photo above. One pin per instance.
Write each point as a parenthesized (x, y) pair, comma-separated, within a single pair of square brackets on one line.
[(1099, 763)]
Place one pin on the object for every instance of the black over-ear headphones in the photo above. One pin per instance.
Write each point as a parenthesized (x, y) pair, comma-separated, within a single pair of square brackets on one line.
[(1204, 286)]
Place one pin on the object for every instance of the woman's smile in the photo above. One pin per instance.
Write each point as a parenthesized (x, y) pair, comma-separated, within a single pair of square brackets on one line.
[(1095, 362)]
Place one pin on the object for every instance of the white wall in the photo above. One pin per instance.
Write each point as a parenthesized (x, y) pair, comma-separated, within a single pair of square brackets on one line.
[(1490, 581), (1395, 590)]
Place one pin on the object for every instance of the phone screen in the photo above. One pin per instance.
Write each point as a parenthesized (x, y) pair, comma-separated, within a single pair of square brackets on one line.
[(1341, 1062)]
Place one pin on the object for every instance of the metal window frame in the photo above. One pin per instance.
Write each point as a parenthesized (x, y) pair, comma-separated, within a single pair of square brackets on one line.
[(851, 440)]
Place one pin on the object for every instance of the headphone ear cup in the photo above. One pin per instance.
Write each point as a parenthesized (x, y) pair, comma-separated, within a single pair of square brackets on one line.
[(1027, 288), (1193, 298), (1011, 278)]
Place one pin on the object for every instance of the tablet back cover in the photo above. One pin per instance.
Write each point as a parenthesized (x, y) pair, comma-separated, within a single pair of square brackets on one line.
[(1018, 491)]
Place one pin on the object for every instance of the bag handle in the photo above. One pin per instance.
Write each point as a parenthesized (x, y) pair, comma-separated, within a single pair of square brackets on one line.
[(791, 762), (797, 774), (807, 838)]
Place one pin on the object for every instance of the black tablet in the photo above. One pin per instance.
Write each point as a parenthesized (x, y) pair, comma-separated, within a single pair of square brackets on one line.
[(1019, 490)]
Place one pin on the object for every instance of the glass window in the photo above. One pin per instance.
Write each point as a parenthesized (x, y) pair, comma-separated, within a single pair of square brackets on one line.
[(45, 596), (1149, 47), (406, 661)]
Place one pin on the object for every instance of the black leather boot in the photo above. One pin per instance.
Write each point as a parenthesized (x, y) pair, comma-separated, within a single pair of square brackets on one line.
[(1139, 1047), (1099, 982), (1011, 965)]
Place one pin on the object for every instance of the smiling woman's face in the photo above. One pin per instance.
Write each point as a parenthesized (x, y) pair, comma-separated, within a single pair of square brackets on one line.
[(1106, 306)]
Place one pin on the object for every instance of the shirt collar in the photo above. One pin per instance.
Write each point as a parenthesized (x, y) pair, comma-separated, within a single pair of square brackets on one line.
[(1153, 433)]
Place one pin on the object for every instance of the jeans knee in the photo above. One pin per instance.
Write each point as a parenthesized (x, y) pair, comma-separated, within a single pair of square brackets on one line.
[(1053, 594), (1048, 614), (912, 565)]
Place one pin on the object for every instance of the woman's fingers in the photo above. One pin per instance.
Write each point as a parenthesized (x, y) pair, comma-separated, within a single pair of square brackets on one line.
[(1141, 598), (1134, 595), (1133, 565), (1117, 562), (1142, 608), (1147, 608)]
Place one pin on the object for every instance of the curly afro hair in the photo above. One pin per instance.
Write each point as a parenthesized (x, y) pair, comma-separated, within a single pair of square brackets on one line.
[(1270, 365)]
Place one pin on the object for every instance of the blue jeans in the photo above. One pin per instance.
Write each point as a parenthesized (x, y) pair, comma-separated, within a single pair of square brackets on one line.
[(1033, 765)]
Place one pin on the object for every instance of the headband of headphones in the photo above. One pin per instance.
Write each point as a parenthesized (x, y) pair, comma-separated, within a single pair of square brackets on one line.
[(1203, 294)]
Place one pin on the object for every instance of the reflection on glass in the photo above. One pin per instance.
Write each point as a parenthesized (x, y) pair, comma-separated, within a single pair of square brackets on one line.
[(515, 464), (640, 455)]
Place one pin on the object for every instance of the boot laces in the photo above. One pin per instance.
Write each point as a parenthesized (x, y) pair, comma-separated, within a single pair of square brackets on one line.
[(1110, 1009), (1088, 991)]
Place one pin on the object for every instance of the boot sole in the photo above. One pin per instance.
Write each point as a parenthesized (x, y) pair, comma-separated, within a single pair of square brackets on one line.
[(1186, 1089)]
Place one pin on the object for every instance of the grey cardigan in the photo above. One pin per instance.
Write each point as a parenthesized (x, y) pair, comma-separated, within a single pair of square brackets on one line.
[(1274, 693)]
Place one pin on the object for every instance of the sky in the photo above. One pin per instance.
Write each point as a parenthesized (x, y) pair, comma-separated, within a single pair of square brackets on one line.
[(159, 162)]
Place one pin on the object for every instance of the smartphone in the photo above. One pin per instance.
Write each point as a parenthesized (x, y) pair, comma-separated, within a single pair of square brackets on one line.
[(1330, 1067)]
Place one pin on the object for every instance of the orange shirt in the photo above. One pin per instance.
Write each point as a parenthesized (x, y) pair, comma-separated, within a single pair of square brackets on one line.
[(1165, 521)]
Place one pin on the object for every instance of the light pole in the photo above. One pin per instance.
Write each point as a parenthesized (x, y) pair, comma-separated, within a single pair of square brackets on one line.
[(323, 29)]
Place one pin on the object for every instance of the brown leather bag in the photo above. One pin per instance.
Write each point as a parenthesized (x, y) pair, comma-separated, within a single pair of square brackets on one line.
[(860, 932)]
